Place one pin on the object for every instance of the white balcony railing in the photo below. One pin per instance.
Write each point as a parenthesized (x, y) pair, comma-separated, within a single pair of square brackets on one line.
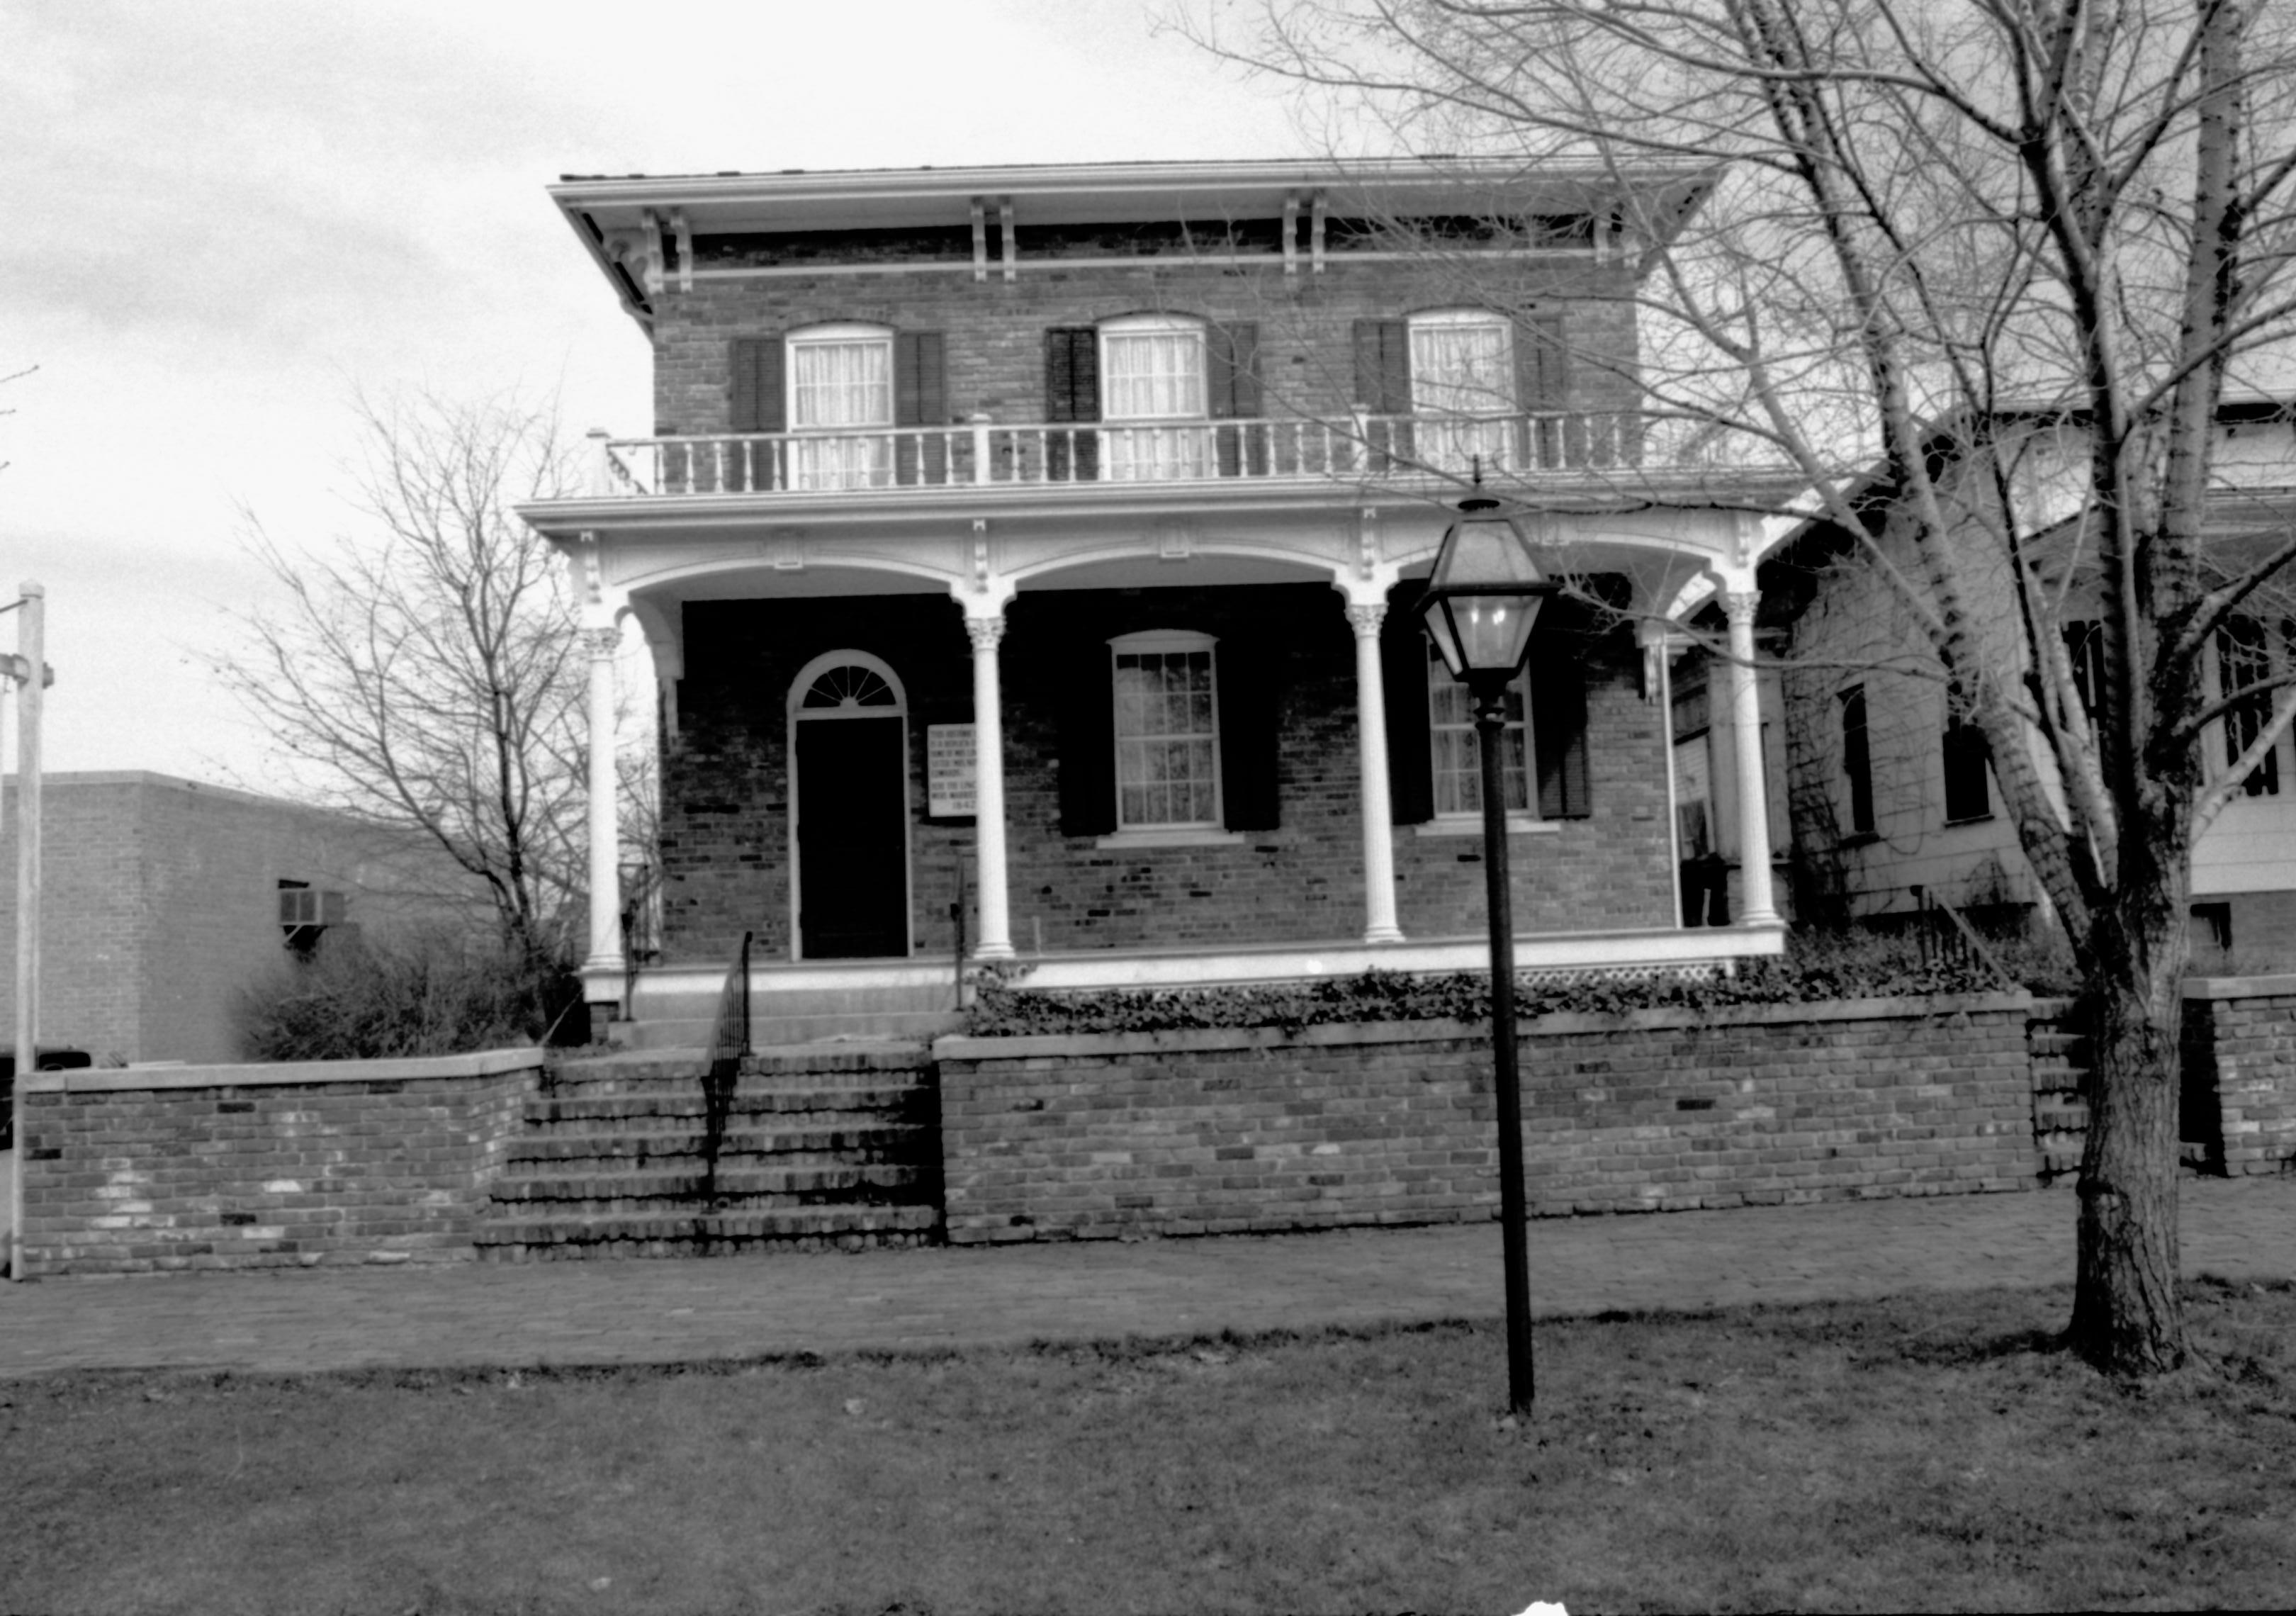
[(984, 452)]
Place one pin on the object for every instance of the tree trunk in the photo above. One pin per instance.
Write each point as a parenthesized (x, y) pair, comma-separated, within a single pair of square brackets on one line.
[(2128, 1317)]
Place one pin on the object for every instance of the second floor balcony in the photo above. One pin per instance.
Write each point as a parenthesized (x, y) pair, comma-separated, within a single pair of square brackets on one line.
[(1622, 446)]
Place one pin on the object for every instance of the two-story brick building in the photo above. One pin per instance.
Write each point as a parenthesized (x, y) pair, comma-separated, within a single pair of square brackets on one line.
[(1035, 550)]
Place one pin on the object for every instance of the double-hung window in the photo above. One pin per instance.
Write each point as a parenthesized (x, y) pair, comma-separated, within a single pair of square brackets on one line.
[(840, 407), (1167, 732), (1454, 753), (2244, 664), (1858, 760), (1462, 389), (1967, 757), (1154, 398), (1451, 387)]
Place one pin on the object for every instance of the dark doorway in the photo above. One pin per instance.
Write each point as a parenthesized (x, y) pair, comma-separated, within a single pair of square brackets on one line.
[(852, 844)]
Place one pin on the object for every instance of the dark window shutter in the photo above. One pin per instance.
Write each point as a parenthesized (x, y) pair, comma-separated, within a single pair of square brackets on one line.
[(1231, 355), (920, 398), (1072, 394), (754, 404), (1383, 367), (1542, 365), (1403, 661), (1558, 723), (1088, 739), (1383, 384), (1542, 388), (920, 379), (1249, 740)]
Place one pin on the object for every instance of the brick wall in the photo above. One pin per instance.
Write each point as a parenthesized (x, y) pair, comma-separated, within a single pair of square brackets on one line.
[(725, 848), (234, 1167), (1210, 1132), (2240, 1056), (995, 328), (160, 901)]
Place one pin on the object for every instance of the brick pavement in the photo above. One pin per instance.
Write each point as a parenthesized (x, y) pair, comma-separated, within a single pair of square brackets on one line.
[(589, 1313)]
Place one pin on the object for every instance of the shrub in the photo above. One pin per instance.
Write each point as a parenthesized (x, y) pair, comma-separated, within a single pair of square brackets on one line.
[(1816, 967), (431, 992)]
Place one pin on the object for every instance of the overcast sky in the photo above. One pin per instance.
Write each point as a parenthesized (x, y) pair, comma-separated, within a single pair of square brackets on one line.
[(223, 217)]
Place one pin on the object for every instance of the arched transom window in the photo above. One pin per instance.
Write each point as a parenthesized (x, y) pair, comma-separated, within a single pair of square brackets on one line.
[(848, 686)]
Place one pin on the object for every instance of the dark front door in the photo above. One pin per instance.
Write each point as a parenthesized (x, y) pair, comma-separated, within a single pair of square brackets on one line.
[(852, 849)]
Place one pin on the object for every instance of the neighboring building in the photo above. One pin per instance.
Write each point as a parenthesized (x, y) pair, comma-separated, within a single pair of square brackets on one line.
[(1051, 537), (1892, 794), (162, 899)]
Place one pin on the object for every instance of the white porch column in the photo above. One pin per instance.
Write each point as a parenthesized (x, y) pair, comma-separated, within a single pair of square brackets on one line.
[(602, 969), (1370, 751), (988, 782), (1756, 905)]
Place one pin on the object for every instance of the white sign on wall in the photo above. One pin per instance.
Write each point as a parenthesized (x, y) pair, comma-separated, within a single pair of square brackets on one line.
[(948, 769)]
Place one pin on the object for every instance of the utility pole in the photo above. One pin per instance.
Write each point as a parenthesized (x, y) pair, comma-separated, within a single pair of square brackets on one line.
[(28, 668)]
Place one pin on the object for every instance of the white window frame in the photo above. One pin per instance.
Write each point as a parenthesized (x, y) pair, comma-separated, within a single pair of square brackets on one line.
[(1468, 822), (1451, 437), (1155, 642), (844, 455), (1160, 445)]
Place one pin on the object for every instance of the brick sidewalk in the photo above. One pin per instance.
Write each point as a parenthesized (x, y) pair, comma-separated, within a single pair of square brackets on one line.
[(472, 1315)]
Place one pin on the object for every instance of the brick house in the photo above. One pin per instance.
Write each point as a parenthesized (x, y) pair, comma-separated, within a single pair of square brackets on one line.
[(162, 897), (1029, 558), (1890, 793)]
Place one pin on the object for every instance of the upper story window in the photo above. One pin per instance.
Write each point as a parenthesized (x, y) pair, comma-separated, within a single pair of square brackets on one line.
[(1139, 398), (1968, 795), (1858, 760), (836, 396), (1167, 732), (2244, 663), (840, 385), (1153, 369), (1477, 384)]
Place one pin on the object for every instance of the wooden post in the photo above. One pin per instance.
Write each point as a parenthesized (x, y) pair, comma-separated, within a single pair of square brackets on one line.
[(31, 669)]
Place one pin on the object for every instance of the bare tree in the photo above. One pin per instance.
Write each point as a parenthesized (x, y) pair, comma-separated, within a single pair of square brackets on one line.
[(423, 674), (2016, 254)]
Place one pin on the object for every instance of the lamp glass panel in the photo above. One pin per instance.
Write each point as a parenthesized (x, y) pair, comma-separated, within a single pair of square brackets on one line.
[(1485, 550), (1494, 630), (1447, 643)]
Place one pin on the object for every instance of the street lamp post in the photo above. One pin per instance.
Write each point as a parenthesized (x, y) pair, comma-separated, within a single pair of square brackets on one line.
[(1482, 599)]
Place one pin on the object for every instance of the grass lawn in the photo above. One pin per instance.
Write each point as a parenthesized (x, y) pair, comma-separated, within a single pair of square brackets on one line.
[(1931, 1452)]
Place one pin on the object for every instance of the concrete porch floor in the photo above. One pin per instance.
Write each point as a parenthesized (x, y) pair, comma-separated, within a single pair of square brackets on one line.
[(793, 1001)]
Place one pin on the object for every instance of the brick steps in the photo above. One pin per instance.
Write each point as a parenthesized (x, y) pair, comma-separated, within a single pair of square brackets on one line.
[(808, 1184), (710, 1234), (836, 1137), (831, 1147), (2060, 1066)]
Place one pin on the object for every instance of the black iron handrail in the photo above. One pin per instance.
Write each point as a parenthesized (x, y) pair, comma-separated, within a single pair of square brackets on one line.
[(729, 1043), (1957, 941)]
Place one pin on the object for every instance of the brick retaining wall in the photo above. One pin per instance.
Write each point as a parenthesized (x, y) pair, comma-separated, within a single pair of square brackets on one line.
[(1215, 1131), (234, 1167), (2240, 1044)]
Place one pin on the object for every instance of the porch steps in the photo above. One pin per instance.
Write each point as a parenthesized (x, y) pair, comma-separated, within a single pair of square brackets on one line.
[(820, 1147), (2060, 1065)]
